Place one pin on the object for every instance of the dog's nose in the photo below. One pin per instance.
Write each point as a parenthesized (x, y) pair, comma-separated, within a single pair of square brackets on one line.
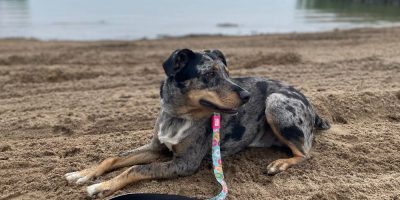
[(244, 96)]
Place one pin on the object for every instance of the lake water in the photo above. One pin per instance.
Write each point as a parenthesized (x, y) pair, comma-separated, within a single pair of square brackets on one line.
[(134, 19)]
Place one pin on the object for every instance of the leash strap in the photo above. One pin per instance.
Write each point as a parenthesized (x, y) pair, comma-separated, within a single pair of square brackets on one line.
[(216, 157)]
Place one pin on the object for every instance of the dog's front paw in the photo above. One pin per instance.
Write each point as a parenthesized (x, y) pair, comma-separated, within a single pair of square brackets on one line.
[(78, 177), (99, 190)]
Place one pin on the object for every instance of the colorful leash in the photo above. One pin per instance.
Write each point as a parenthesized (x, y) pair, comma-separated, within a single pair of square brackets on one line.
[(216, 157)]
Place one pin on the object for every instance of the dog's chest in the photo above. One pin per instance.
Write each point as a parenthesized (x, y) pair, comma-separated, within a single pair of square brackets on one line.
[(172, 131)]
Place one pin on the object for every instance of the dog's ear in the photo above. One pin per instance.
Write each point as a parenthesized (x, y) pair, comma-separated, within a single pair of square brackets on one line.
[(177, 61), (218, 54)]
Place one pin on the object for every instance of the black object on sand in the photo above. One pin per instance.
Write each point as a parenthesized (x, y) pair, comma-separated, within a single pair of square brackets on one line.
[(148, 196)]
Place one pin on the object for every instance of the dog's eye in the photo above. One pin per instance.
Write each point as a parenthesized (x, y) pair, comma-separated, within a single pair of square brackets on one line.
[(208, 76)]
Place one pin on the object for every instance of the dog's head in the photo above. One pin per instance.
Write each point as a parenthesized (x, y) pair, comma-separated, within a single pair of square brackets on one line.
[(198, 84)]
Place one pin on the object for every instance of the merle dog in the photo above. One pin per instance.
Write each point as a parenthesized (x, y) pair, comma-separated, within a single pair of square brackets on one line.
[(256, 112)]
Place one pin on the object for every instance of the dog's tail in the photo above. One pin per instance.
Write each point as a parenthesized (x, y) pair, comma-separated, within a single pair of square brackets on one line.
[(321, 124)]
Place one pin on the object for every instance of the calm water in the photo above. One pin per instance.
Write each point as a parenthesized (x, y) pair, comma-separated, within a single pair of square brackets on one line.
[(134, 19)]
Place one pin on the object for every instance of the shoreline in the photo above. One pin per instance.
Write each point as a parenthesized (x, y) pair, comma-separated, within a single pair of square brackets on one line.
[(163, 37)]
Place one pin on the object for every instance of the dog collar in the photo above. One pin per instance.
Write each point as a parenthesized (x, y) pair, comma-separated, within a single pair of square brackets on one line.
[(216, 157)]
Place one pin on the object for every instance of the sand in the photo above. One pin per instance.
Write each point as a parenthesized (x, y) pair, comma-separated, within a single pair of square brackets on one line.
[(67, 105)]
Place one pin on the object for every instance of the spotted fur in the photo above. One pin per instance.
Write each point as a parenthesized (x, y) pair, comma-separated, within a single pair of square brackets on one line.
[(256, 112)]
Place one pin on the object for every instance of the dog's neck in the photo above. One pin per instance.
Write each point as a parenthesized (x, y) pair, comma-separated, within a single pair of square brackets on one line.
[(172, 130), (185, 112), (168, 109)]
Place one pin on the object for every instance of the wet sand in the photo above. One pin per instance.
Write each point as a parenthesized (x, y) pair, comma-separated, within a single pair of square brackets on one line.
[(67, 105)]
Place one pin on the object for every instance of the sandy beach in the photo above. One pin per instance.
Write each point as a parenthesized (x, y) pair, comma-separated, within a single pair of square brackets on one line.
[(67, 105)]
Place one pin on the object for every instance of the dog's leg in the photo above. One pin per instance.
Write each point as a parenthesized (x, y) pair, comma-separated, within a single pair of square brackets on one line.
[(182, 165), (168, 169), (289, 120), (298, 152), (141, 155)]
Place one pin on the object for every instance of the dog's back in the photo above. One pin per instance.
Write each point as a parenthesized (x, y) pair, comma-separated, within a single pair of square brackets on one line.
[(249, 128)]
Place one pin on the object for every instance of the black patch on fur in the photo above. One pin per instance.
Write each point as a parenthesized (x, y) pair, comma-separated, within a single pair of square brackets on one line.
[(237, 130), (190, 71), (262, 87), (208, 128), (180, 85), (295, 136), (295, 95), (292, 133), (178, 60), (301, 95), (262, 114), (291, 109)]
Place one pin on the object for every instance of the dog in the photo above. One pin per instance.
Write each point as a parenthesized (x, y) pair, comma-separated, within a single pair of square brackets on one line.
[(255, 112)]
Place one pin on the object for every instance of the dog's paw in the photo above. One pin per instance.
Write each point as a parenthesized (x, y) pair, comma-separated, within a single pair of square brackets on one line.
[(73, 176), (278, 166), (78, 177), (99, 190)]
